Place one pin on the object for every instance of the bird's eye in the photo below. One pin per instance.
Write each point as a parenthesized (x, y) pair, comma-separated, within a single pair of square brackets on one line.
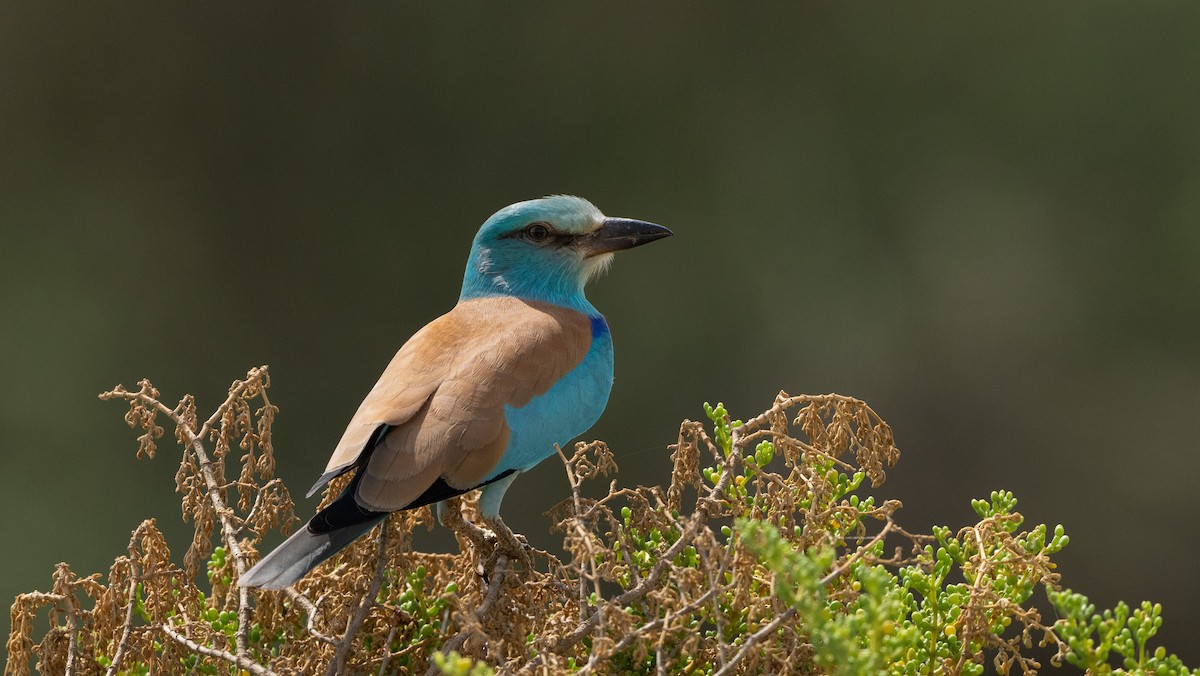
[(537, 232)]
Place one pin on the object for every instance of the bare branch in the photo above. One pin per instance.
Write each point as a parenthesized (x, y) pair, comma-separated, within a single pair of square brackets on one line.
[(237, 660), (491, 594), (310, 611), (755, 639), (127, 625), (338, 665)]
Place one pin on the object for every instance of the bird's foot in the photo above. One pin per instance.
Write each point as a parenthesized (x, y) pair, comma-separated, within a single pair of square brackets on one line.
[(452, 518), (507, 543), (488, 545)]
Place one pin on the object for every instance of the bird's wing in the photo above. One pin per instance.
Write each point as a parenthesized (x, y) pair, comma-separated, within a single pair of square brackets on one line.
[(442, 397)]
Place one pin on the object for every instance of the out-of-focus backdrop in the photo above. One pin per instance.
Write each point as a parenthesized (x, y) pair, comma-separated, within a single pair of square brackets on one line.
[(986, 223)]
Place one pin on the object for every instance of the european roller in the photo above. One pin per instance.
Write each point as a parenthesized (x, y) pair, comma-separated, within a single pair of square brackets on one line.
[(484, 392)]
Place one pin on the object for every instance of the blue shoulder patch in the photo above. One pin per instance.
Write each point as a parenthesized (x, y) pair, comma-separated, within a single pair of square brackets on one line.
[(599, 326)]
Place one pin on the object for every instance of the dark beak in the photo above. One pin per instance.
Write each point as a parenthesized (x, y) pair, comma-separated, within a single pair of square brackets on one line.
[(617, 234)]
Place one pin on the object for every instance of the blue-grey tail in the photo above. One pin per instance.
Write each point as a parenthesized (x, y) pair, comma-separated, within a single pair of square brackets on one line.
[(329, 532)]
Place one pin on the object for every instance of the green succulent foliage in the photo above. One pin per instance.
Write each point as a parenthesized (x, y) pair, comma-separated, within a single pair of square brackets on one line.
[(1095, 638), (427, 613), (722, 426), (637, 549), (217, 571), (867, 618), (137, 668), (858, 636), (453, 664)]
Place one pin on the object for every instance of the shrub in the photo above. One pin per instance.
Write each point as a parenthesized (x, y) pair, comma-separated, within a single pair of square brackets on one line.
[(761, 555)]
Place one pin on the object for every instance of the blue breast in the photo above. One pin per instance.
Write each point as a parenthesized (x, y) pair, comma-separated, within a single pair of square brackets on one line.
[(568, 409)]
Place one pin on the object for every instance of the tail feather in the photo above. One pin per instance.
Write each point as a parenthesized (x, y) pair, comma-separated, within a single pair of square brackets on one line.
[(330, 531)]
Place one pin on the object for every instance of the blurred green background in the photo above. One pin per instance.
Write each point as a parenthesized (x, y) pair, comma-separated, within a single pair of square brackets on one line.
[(985, 222)]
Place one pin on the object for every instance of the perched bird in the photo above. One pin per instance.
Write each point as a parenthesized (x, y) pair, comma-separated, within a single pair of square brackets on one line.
[(484, 392)]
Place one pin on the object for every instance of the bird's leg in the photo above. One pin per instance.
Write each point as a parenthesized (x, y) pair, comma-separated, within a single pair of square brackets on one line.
[(514, 546), (487, 545), (508, 543)]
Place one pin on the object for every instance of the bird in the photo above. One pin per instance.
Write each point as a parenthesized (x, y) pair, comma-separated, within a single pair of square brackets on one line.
[(522, 363)]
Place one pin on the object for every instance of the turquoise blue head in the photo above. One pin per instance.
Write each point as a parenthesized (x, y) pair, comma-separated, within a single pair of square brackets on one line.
[(547, 249)]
